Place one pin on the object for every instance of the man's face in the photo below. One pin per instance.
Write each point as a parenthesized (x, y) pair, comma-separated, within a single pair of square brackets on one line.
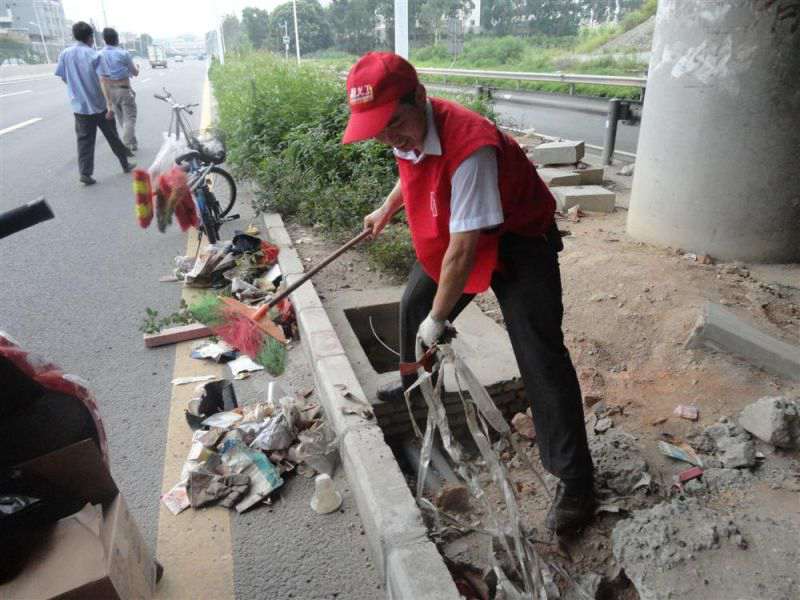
[(406, 129)]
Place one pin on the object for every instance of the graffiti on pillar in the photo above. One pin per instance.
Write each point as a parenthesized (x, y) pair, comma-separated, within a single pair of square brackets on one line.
[(782, 10)]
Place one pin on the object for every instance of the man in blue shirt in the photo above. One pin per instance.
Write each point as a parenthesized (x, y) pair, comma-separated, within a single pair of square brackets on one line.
[(116, 69), (78, 67)]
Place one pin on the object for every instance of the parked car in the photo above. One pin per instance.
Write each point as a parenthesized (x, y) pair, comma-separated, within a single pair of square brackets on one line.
[(178, 58)]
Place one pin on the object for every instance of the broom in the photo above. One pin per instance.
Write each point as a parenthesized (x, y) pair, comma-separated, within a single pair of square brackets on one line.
[(247, 329)]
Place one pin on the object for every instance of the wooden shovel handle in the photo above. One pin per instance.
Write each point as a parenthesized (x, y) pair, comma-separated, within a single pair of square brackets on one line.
[(308, 275)]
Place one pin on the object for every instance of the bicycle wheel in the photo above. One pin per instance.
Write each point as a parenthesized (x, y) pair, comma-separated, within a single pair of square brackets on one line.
[(221, 183), (209, 218)]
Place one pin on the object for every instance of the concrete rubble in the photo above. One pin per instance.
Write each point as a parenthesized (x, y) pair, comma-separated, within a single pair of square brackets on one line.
[(775, 420), (681, 548), (558, 153), (627, 170), (618, 462), (732, 446), (590, 175), (589, 197), (559, 177)]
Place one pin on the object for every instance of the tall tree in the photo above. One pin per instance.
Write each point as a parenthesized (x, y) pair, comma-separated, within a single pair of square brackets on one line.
[(255, 25), (231, 32), (312, 25), (498, 16), (551, 17), (354, 23)]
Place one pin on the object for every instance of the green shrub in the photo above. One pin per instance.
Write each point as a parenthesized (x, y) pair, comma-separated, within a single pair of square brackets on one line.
[(262, 97), (492, 52), (637, 17), (392, 251), (426, 54)]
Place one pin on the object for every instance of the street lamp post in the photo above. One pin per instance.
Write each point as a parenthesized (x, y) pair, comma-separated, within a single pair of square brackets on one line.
[(286, 39), (296, 32), (41, 35)]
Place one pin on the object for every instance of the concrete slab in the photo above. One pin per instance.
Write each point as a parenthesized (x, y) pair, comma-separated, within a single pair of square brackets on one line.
[(559, 177), (558, 153), (590, 176), (592, 198), (720, 329)]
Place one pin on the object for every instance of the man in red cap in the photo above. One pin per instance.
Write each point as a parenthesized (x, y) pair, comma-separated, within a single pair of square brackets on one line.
[(479, 216)]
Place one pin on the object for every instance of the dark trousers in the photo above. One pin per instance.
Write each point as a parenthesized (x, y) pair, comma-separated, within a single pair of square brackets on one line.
[(86, 131), (529, 293)]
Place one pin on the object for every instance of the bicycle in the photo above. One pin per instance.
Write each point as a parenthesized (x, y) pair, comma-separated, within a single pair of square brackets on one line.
[(213, 188)]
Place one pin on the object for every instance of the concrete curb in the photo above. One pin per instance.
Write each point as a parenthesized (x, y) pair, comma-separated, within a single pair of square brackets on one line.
[(409, 562), (719, 329)]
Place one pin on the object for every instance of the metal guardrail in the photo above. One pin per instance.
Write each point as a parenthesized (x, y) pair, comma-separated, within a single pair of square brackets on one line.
[(567, 78)]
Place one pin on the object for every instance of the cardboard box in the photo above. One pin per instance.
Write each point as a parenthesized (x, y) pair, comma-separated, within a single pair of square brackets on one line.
[(96, 553)]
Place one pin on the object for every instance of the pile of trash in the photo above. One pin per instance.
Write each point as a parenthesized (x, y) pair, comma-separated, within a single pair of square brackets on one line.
[(247, 264), (244, 312), (241, 454)]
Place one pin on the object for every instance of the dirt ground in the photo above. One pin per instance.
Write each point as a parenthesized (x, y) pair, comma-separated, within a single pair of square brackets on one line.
[(629, 308)]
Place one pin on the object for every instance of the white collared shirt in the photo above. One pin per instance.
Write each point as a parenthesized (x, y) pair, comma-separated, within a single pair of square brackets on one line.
[(475, 195)]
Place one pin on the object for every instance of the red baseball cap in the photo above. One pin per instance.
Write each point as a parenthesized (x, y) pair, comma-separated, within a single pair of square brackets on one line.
[(375, 85)]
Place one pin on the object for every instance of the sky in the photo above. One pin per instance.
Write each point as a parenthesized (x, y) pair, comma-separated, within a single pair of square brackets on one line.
[(160, 18)]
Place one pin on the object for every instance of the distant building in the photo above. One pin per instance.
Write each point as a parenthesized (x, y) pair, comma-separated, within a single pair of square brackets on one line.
[(28, 16)]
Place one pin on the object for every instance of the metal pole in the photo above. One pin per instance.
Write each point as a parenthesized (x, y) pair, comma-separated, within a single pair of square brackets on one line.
[(105, 18), (296, 32), (401, 27), (611, 131), (41, 35)]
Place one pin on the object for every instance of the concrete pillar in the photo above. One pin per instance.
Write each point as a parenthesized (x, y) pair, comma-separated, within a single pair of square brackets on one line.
[(718, 161)]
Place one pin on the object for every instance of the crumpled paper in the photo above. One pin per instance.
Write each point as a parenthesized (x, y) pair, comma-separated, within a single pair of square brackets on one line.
[(264, 477)]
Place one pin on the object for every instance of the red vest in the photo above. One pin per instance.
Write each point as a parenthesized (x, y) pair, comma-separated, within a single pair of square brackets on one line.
[(528, 206)]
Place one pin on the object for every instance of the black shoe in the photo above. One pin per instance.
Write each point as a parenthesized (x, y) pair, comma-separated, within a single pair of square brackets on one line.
[(129, 167), (88, 180), (570, 511), (391, 392)]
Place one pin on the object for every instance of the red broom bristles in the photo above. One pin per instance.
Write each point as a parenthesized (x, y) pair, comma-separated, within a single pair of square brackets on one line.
[(241, 333)]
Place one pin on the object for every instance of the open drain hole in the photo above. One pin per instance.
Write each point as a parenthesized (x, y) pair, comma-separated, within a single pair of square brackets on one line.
[(385, 320)]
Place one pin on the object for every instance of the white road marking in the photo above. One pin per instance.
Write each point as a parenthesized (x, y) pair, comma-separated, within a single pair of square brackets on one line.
[(145, 80), (19, 125), (11, 80), (15, 93)]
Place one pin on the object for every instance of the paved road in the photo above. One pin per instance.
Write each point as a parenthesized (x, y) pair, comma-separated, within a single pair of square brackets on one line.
[(75, 289)]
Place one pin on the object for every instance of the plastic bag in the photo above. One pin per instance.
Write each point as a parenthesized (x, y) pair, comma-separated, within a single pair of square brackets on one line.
[(165, 158)]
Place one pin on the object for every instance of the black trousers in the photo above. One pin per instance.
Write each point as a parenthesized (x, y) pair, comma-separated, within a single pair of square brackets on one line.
[(86, 131), (529, 294)]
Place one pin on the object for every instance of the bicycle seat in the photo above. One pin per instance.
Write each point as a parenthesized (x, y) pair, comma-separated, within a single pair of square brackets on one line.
[(192, 154)]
